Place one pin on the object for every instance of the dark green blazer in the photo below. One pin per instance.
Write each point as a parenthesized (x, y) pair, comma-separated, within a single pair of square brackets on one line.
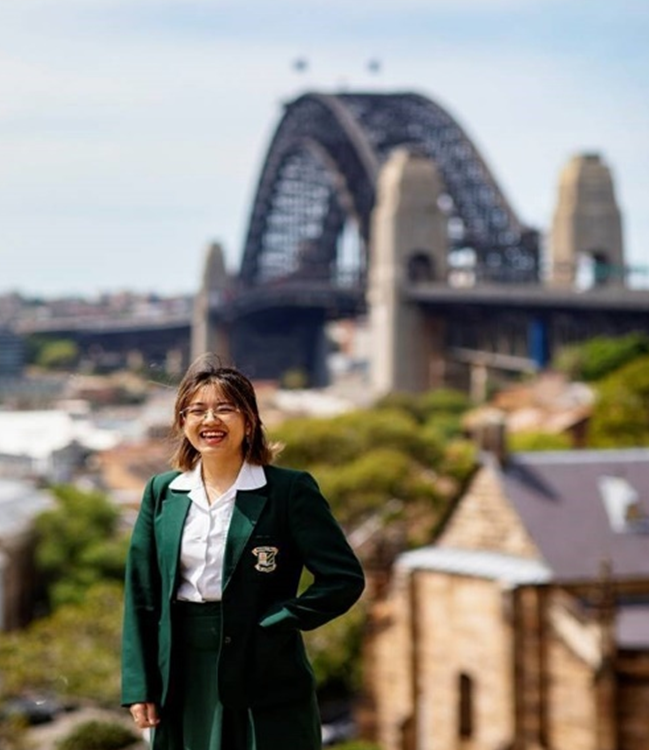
[(275, 531)]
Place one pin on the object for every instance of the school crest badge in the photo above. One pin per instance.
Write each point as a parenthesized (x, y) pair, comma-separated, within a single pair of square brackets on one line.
[(266, 562)]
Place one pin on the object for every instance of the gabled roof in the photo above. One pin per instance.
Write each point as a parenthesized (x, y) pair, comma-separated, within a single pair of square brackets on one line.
[(582, 508)]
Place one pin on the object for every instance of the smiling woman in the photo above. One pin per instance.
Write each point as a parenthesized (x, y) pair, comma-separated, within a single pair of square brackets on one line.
[(213, 657)]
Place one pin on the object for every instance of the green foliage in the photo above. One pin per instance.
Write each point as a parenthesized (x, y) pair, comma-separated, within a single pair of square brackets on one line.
[(368, 482), (13, 733), (538, 441), (601, 356), (98, 735), (444, 400), (58, 354), (295, 379), (427, 406), (356, 745), (459, 460), (398, 450), (78, 544), (620, 417), (334, 650), (72, 652), (318, 441)]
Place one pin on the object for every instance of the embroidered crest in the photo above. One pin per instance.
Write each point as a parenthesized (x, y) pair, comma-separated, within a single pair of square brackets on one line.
[(265, 559)]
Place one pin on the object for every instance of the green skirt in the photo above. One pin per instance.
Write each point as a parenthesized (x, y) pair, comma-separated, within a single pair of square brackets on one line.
[(194, 717)]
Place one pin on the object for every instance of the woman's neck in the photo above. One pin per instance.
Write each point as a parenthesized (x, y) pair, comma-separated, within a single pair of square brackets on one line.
[(219, 476)]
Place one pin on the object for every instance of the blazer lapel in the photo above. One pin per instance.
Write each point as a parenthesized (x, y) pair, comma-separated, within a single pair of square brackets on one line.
[(176, 506), (247, 509)]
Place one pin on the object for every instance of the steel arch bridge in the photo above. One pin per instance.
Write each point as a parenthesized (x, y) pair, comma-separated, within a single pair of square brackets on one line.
[(305, 258), (321, 173)]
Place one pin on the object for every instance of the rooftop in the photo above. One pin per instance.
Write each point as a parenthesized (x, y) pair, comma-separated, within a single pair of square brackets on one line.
[(584, 508)]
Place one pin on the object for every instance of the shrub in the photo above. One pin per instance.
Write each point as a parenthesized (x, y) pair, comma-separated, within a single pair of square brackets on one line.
[(98, 735), (78, 544), (601, 356), (538, 441), (438, 402), (621, 413), (73, 652)]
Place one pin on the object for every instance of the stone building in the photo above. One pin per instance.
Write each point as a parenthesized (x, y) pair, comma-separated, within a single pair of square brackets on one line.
[(20, 503), (525, 626)]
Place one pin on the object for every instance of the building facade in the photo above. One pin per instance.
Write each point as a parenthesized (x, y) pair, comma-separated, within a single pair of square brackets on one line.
[(526, 625)]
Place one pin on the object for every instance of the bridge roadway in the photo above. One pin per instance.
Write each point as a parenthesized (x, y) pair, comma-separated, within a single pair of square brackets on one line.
[(530, 297), (111, 342), (508, 327), (63, 326)]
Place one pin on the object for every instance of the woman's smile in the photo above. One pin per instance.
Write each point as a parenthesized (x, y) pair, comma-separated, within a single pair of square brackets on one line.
[(213, 436)]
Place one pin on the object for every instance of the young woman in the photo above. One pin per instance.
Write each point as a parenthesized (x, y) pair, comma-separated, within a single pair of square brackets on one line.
[(212, 656)]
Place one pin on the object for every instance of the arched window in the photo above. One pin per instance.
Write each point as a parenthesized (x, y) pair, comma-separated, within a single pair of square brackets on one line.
[(420, 267)]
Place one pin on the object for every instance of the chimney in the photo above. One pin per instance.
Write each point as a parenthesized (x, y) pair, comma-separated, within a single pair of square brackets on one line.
[(490, 434)]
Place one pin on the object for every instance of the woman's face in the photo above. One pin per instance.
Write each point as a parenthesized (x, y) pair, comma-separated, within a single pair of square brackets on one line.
[(214, 425)]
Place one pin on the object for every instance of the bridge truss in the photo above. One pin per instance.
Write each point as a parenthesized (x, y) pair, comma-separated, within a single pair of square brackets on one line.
[(320, 177)]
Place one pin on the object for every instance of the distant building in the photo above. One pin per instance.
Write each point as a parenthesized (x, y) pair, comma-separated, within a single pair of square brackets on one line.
[(20, 503), (525, 625), (12, 354), (48, 444)]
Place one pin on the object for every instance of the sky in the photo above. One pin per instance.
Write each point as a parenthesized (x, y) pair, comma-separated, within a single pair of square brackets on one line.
[(133, 132)]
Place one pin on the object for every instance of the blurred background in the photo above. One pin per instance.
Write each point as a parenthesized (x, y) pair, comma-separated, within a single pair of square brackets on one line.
[(420, 228)]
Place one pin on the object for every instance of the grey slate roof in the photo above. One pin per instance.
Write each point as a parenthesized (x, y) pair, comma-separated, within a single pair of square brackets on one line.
[(583, 507)]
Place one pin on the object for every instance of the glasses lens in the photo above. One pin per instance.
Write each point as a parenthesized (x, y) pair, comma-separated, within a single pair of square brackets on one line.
[(197, 413)]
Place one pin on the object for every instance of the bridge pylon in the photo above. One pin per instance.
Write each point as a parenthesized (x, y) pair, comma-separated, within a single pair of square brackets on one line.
[(408, 244), (586, 237), (208, 334)]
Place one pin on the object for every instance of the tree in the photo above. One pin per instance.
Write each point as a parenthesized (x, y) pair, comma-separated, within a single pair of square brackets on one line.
[(73, 652), (601, 356), (59, 354), (620, 416), (538, 441), (78, 544)]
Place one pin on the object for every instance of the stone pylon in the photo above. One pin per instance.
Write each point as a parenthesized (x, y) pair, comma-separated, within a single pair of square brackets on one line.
[(408, 246), (208, 334), (586, 237)]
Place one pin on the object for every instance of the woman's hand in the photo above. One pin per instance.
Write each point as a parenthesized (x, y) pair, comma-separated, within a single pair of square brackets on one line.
[(145, 715)]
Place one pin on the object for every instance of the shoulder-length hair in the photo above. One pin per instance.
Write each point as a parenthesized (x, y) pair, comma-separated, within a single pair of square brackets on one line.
[(235, 388)]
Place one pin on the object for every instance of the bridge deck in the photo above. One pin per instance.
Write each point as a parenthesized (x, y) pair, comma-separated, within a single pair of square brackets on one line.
[(531, 297)]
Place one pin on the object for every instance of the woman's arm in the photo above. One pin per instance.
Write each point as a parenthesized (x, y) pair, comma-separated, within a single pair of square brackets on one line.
[(140, 676), (338, 579)]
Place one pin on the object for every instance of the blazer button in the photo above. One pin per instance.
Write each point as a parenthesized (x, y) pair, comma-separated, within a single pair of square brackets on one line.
[(227, 640)]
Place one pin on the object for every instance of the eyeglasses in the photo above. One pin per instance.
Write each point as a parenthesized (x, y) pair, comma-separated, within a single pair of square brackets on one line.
[(198, 413)]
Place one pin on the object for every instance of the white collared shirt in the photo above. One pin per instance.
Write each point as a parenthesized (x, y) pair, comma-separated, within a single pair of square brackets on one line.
[(206, 527)]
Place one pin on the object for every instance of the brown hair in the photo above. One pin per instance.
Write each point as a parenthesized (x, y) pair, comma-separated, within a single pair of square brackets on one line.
[(237, 389)]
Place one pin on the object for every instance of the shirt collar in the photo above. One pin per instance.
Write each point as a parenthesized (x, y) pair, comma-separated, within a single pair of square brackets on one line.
[(250, 477)]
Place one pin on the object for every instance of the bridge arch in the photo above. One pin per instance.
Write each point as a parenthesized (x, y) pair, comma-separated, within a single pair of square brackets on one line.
[(321, 171)]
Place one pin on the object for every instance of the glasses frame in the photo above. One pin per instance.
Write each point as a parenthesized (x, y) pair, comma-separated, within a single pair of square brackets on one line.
[(200, 413)]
